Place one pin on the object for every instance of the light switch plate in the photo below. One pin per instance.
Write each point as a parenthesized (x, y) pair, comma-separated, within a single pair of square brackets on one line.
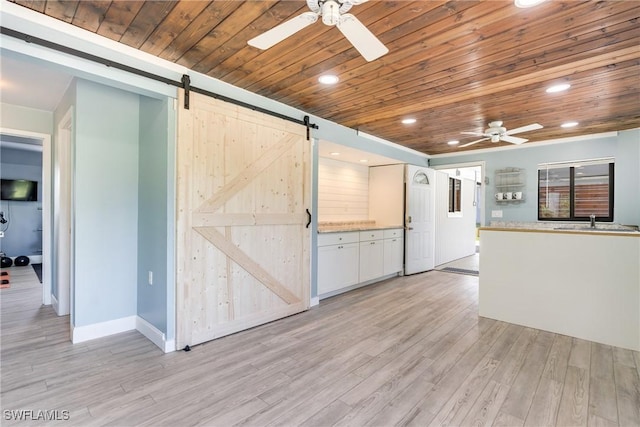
[(496, 214)]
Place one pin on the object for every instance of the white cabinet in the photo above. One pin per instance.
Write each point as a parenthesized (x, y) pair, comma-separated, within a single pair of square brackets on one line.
[(393, 255), (350, 258), (338, 261)]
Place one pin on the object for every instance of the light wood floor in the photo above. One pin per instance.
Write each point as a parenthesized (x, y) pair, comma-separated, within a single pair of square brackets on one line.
[(410, 351)]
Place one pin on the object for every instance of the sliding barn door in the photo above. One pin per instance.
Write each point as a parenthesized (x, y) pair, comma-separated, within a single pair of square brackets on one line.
[(242, 243)]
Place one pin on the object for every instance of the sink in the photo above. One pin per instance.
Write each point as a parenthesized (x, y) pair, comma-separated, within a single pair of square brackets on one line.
[(603, 230)]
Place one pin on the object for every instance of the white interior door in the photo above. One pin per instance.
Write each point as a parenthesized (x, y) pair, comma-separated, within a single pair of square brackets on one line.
[(419, 219)]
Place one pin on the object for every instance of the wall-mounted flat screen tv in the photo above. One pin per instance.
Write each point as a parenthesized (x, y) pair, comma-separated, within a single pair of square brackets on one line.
[(19, 190)]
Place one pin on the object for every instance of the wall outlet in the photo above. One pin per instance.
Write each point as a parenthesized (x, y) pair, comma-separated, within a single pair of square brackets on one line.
[(496, 214), (1, 233), (151, 277)]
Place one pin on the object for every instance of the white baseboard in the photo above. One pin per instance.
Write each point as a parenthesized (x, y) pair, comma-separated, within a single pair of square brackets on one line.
[(315, 301), (54, 304), (155, 335), (102, 329), (35, 259)]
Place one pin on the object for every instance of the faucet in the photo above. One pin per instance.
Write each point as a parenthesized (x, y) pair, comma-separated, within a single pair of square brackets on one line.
[(592, 217)]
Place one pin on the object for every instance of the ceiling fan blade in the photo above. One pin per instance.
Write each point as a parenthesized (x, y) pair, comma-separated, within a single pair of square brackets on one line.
[(527, 128), (472, 142), (473, 133), (513, 139), (361, 38), (282, 31)]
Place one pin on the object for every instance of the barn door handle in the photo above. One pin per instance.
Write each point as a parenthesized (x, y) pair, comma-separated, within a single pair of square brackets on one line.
[(308, 218)]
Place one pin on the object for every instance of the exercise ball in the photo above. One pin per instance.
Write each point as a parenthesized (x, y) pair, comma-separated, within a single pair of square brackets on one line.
[(6, 262), (21, 261)]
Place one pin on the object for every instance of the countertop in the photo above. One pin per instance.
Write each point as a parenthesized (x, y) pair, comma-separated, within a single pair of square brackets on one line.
[(601, 229), (346, 226)]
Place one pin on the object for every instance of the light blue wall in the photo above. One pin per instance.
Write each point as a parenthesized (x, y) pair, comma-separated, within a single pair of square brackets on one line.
[(106, 203), (625, 148), (153, 203)]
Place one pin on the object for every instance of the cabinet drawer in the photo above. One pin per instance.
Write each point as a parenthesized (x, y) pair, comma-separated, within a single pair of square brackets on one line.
[(326, 239), (395, 232), (371, 235)]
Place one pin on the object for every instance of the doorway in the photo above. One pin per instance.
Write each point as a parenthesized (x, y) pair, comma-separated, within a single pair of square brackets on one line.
[(470, 172), (475, 172), (37, 144)]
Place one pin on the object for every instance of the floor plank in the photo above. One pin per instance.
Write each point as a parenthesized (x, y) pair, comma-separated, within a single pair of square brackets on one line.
[(408, 351)]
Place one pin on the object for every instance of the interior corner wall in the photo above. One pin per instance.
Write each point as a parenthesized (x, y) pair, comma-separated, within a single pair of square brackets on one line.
[(153, 212), (625, 148), (106, 203)]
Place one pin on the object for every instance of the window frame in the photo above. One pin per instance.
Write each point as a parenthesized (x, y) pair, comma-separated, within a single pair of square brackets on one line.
[(572, 176), (455, 197)]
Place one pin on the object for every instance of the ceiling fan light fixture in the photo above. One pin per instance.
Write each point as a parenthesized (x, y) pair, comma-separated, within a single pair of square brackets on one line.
[(569, 124), (408, 121), (328, 79), (558, 88), (330, 12), (495, 138), (453, 142), (523, 4)]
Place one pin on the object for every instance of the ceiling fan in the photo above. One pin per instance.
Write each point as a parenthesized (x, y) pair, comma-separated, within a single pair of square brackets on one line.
[(333, 12), (496, 132)]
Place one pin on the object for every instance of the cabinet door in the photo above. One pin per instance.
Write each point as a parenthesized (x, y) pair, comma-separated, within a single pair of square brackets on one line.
[(371, 260), (393, 255), (337, 267)]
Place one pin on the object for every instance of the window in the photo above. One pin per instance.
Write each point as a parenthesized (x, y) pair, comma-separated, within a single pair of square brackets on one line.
[(574, 192), (455, 199)]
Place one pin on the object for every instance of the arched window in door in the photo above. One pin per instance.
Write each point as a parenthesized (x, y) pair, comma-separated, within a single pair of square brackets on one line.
[(421, 178)]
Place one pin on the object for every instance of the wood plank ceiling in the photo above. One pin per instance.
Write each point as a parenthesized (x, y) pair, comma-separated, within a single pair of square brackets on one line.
[(453, 66)]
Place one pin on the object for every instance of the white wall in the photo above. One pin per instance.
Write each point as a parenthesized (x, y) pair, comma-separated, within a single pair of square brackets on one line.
[(455, 234), (386, 194), (343, 191)]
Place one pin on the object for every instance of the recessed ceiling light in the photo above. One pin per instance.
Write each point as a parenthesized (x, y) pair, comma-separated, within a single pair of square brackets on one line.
[(335, 153), (569, 124), (527, 3), (328, 79), (453, 142), (409, 121), (558, 88), (364, 160)]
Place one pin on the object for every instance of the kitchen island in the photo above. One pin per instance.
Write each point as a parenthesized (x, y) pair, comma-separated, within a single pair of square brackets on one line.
[(578, 282)]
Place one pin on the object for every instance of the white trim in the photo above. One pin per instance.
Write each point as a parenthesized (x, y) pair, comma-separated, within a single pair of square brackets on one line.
[(314, 301), (155, 335), (54, 303), (35, 259), (524, 146), (103, 329)]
